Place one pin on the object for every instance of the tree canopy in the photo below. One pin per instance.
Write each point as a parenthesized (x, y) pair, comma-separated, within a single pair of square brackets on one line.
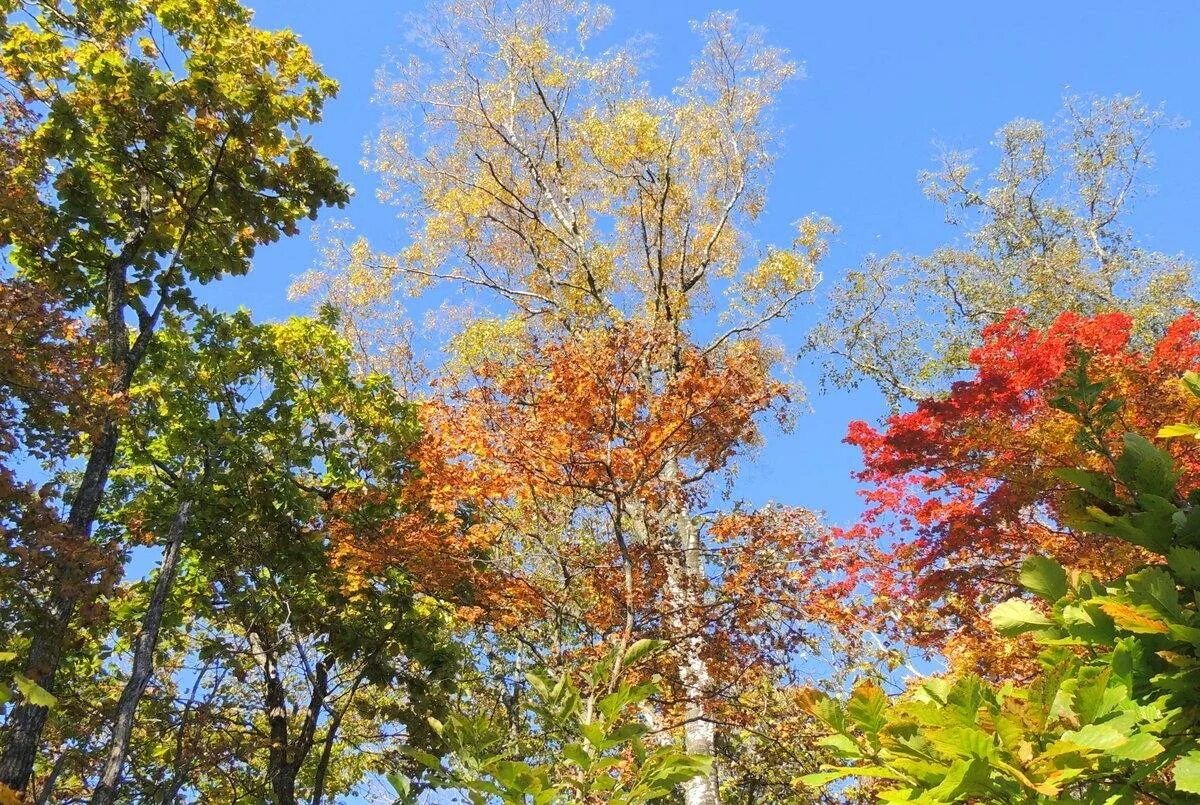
[(509, 558)]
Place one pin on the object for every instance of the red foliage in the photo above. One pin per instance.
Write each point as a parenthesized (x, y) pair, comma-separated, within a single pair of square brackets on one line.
[(52, 393), (961, 489)]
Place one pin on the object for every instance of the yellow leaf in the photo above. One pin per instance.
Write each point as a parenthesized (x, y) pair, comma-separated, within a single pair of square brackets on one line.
[(1131, 620)]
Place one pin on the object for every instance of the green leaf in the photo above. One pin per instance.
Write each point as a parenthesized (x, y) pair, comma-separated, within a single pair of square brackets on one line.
[(824, 707), (867, 707), (1187, 773), (1192, 381), (429, 761), (1017, 616), (401, 784), (1045, 577), (1155, 588), (1139, 620), (967, 696), (1095, 736), (1175, 431), (1145, 468), (642, 649), (1094, 483), (593, 733), (1142, 746), (1188, 634), (540, 684), (821, 778), (1185, 564), (33, 692), (1186, 524), (843, 745), (1088, 622), (577, 755), (959, 780)]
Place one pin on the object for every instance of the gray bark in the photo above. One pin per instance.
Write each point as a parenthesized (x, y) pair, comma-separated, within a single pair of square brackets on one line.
[(143, 662)]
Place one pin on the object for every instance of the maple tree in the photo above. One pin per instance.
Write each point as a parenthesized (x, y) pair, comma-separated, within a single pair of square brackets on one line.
[(572, 434), (1111, 715), (51, 391), (962, 488), (128, 178)]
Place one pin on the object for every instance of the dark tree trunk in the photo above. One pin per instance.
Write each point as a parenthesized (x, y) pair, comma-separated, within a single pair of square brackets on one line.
[(47, 791), (280, 773), (24, 726), (143, 663), (331, 732)]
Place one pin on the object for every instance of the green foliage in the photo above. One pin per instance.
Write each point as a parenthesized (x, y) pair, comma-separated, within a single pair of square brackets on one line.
[(599, 750), (1045, 227), (1111, 719), (145, 146), (163, 134), (273, 437), (33, 692), (1191, 382)]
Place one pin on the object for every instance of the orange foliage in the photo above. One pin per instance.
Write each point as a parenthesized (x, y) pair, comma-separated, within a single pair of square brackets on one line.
[(548, 479), (590, 415)]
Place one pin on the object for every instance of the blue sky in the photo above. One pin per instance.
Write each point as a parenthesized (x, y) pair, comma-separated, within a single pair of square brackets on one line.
[(885, 81)]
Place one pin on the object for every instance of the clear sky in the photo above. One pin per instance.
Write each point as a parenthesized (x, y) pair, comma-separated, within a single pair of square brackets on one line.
[(885, 81)]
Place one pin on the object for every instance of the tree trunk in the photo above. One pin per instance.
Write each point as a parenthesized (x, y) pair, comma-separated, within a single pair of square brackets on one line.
[(685, 575), (47, 791), (331, 731), (279, 776), (25, 724), (323, 764), (143, 663)]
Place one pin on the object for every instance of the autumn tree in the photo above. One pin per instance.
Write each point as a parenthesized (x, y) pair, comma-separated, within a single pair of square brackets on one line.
[(1046, 230), (52, 391), (249, 446), (963, 488), (621, 368), (147, 145), (1110, 716)]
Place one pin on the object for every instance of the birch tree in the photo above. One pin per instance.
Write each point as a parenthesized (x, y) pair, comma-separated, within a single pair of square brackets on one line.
[(1046, 230), (597, 224)]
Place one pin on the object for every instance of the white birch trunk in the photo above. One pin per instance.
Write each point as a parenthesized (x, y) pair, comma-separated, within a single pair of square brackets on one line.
[(685, 577)]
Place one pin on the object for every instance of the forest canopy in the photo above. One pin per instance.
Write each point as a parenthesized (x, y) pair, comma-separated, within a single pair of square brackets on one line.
[(479, 519)]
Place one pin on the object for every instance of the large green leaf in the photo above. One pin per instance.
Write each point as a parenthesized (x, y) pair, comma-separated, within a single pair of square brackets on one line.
[(33, 692), (1185, 564), (1145, 468), (866, 708), (1187, 773), (1045, 577), (1017, 616), (1155, 588)]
